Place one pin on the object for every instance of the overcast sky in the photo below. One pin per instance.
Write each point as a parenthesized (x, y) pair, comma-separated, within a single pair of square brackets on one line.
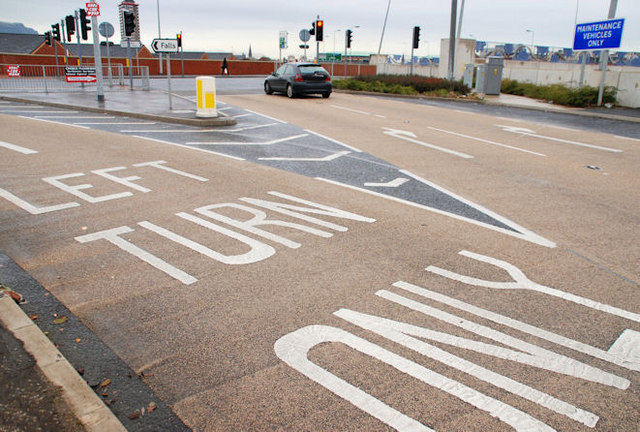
[(233, 25)]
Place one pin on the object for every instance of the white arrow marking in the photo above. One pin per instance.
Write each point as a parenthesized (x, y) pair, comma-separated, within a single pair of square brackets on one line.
[(252, 143), (409, 136), (529, 132), (323, 159), (392, 184)]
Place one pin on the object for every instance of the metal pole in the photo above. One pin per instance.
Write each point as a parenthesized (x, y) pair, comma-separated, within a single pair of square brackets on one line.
[(130, 65), (582, 67), (62, 26), (181, 55), (411, 73), (109, 64), (345, 51), (159, 36), (604, 54), (97, 59), (452, 40), (78, 36), (384, 26), (169, 81)]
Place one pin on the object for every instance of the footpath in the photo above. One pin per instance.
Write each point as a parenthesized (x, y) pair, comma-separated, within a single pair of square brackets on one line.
[(39, 388)]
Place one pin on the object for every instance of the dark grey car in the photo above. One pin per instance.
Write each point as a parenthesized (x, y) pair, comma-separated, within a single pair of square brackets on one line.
[(298, 79)]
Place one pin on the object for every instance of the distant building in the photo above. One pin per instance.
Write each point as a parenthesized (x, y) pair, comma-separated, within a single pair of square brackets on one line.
[(129, 6)]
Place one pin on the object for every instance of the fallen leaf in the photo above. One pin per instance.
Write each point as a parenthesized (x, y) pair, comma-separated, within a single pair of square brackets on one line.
[(78, 340), (34, 317), (60, 320), (152, 406), (80, 371), (134, 415), (105, 383)]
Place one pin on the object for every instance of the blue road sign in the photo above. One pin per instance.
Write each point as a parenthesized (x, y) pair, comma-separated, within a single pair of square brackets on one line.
[(598, 35)]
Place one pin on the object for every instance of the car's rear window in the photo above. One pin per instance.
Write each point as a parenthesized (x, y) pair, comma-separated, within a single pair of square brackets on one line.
[(308, 69)]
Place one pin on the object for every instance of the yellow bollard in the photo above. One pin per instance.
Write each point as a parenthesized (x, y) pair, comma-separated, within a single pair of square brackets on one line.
[(206, 96)]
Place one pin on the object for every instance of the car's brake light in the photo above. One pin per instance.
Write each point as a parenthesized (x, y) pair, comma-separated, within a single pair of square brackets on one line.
[(298, 78), (328, 79)]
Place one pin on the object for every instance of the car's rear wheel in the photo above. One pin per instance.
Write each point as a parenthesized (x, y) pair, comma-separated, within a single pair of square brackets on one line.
[(267, 88), (289, 90), (326, 95)]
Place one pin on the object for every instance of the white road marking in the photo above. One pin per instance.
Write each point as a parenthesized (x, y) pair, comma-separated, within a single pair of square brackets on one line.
[(54, 122), (30, 207), (293, 349), (275, 141), (486, 141), (181, 131), (115, 123), (626, 138), (350, 110), (74, 117), (329, 158), (392, 184), (521, 233), (266, 116), (520, 281), (17, 148), (529, 132), (76, 189), (188, 147), (40, 111), (112, 236), (160, 164), (627, 346), (334, 141), (410, 136)]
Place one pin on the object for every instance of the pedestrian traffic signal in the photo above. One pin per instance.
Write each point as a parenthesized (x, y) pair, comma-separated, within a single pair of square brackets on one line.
[(55, 29), (416, 36), (84, 24), (47, 38), (319, 30), (129, 22), (179, 38), (348, 38), (312, 30), (70, 23)]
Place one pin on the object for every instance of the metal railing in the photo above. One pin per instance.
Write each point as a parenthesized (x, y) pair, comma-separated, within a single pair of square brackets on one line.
[(49, 78)]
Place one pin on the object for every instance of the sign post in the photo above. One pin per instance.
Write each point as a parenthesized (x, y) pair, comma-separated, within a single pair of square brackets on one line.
[(600, 35), (93, 10), (167, 46)]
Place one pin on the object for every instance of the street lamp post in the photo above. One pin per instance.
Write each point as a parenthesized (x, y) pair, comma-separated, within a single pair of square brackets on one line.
[(532, 36)]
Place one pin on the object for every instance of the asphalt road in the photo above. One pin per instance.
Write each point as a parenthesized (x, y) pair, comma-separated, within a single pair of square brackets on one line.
[(351, 263)]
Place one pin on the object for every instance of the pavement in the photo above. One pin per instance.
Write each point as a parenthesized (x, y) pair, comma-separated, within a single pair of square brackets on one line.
[(56, 396)]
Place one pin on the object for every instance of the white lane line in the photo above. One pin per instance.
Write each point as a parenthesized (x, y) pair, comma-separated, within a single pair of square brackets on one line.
[(322, 159), (17, 148), (529, 132), (334, 141), (626, 138), (410, 136), (266, 116), (197, 130), (32, 111), (188, 147), (276, 141), (54, 122), (74, 117), (486, 141), (350, 110), (521, 232), (115, 123), (392, 184)]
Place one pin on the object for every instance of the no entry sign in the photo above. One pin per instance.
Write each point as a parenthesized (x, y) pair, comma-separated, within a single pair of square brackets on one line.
[(93, 9)]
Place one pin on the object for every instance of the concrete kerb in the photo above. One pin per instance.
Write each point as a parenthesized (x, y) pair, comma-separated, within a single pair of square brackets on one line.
[(569, 111), (222, 120), (87, 407)]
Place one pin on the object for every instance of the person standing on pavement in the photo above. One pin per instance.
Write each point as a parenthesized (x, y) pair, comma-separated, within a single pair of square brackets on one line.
[(225, 67)]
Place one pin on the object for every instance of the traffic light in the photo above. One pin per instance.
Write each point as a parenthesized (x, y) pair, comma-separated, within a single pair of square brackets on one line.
[(129, 22), (47, 38), (55, 28), (319, 30), (348, 38), (312, 30), (70, 24), (416, 36), (84, 24), (179, 38)]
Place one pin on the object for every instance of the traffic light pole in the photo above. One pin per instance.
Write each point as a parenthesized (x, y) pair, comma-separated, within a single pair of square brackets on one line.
[(78, 36), (97, 59)]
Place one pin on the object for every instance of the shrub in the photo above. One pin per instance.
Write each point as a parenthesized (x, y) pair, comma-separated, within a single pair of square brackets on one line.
[(559, 94), (402, 84)]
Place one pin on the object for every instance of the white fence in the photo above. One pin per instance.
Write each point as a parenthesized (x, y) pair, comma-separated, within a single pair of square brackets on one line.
[(21, 78)]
